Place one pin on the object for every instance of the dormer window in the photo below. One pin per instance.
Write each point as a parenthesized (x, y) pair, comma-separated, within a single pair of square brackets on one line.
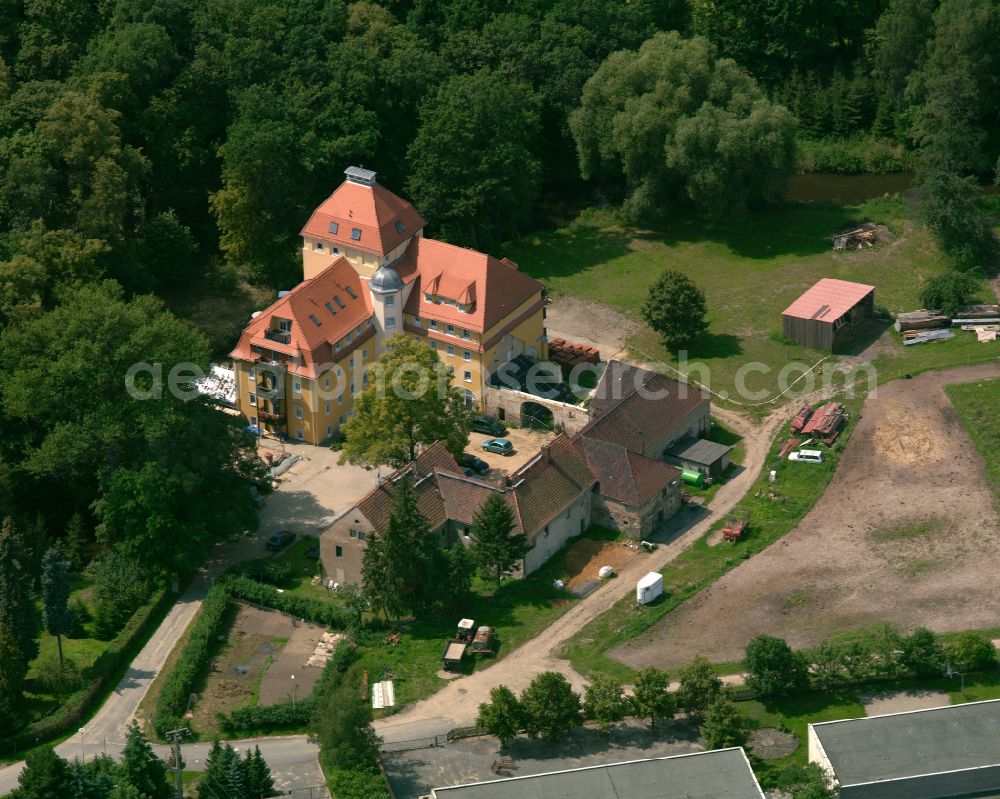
[(329, 307), (314, 319), (355, 234), (350, 293), (340, 303), (334, 227)]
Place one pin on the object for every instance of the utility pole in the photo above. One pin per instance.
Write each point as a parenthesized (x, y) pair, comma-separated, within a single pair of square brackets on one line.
[(174, 736)]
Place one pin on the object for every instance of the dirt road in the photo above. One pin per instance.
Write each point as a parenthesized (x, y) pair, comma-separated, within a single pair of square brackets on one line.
[(905, 533), (457, 703)]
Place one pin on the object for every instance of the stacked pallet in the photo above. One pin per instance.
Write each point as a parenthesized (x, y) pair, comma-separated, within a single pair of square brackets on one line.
[(567, 353)]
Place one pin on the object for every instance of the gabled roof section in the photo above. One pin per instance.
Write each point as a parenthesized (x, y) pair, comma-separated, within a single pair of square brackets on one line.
[(321, 311), (365, 217), (624, 476), (631, 404), (494, 289), (828, 300), (377, 504), (464, 495), (546, 485)]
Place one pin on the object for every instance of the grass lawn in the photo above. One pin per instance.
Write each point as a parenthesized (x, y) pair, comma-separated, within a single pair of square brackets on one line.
[(302, 557), (750, 270), (518, 611), (794, 493), (977, 404)]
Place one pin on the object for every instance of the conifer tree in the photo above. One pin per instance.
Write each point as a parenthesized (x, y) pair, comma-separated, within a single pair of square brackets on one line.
[(56, 615), (141, 768), (495, 550), (17, 605)]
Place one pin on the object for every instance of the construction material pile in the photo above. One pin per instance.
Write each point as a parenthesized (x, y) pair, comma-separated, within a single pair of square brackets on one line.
[(868, 235), (567, 353), (921, 320), (824, 423)]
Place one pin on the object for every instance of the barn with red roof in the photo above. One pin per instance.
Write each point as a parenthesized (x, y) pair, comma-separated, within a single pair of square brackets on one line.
[(828, 312)]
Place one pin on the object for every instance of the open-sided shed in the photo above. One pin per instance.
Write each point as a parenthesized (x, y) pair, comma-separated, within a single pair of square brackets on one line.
[(827, 312)]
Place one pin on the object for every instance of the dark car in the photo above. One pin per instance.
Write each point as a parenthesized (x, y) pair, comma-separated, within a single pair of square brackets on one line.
[(279, 540), (499, 445), (473, 464), (489, 426)]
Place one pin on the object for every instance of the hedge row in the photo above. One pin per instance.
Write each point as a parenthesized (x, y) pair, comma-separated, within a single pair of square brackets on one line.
[(120, 652), (252, 720), (180, 682), (325, 614)]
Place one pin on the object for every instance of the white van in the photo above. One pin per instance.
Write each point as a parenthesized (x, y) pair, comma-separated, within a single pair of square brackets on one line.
[(807, 456)]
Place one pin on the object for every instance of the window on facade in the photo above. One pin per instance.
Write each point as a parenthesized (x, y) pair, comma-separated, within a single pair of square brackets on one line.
[(326, 383), (347, 338), (285, 325), (296, 387), (432, 324), (353, 533), (338, 347), (467, 376), (355, 234), (343, 418), (350, 363), (546, 533), (390, 322), (318, 246), (298, 411), (253, 421), (433, 344), (364, 355), (329, 430), (253, 399), (353, 392), (450, 330), (465, 334), (298, 435), (466, 355), (339, 551), (328, 407), (340, 399), (251, 374), (390, 301), (450, 349)]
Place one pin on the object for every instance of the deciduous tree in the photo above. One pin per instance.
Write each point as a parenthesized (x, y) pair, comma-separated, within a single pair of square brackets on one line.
[(922, 654), (698, 687), (502, 716), (604, 701), (675, 309), (551, 707), (409, 404), (772, 667), (722, 726), (651, 697)]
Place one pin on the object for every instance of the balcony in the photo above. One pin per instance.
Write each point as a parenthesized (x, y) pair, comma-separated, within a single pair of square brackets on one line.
[(281, 336), (272, 415)]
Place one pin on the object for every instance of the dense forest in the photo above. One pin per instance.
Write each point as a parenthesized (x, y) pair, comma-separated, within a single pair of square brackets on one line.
[(154, 146)]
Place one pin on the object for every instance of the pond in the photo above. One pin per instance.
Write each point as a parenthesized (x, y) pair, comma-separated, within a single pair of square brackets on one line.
[(846, 189)]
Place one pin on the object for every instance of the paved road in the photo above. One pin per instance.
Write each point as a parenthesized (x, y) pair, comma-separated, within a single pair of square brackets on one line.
[(457, 704), (313, 490)]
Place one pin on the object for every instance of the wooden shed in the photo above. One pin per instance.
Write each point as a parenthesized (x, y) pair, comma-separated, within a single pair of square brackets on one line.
[(827, 312)]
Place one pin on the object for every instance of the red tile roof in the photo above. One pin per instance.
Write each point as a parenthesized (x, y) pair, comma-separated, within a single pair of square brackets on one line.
[(374, 210), (495, 288), (545, 486), (626, 416), (625, 476), (377, 504), (311, 302), (828, 300)]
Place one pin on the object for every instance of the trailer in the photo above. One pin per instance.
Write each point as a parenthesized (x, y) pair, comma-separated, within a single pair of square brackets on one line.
[(736, 524), (649, 588), (482, 644), (451, 657)]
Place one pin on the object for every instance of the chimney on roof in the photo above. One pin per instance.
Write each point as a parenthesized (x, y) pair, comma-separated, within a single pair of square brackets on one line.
[(546, 454), (360, 175)]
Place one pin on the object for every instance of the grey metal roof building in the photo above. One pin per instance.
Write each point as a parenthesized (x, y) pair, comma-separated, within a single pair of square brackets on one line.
[(941, 753), (699, 453), (718, 774)]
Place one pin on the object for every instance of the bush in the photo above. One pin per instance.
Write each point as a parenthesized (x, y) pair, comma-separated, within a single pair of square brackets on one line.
[(323, 613), (58, 678), (357, 783), (973, 652), (922, 654), (949, 291), (853, 156), (120, 588), (264, 570), (176, 690), (773, 668)]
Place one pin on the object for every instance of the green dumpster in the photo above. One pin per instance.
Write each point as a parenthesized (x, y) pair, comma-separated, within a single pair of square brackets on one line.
[(692, 477)]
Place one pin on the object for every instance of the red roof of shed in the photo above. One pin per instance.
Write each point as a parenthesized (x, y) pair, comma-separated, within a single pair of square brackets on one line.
[(828, 300)]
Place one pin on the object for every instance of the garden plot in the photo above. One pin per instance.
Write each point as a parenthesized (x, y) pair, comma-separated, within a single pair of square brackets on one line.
[(907, 533)]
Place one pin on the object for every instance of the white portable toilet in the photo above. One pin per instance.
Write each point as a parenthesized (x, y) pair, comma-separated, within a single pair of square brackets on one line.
[(649, 588)]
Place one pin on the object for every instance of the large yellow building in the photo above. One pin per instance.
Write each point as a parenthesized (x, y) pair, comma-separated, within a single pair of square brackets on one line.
[(369, 273)]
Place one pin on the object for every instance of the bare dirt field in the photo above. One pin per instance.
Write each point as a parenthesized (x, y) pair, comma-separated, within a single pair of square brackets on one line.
[(906, 533), (255, 640), (585, 557)]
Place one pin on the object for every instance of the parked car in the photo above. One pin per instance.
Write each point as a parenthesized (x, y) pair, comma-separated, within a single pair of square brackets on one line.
[(501, 446), (806, 456), (473, 464), (279, 540), (489, 426)]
